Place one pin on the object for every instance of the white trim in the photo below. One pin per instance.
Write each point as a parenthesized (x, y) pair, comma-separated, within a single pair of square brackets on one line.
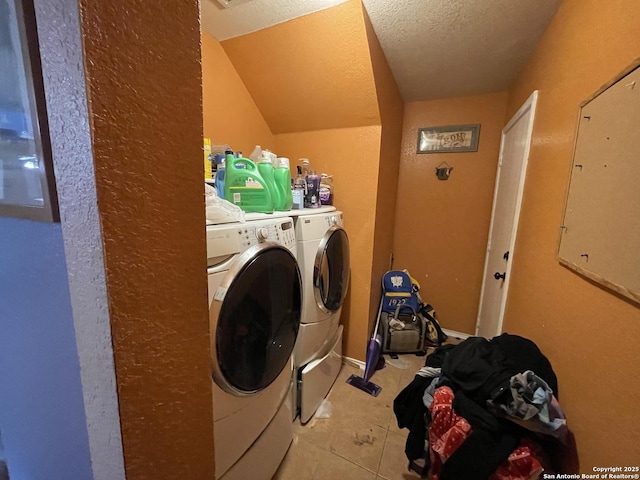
[(453, 333), (529, 105), (353, 362)]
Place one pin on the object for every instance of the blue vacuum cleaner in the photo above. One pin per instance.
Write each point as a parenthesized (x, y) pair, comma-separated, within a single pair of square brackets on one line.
[(374, 348)]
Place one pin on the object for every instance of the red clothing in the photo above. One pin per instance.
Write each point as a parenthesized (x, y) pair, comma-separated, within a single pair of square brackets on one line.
[(449, 430)]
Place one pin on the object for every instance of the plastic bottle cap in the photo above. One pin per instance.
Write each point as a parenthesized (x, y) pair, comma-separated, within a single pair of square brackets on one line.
[(283, 162), (266, 157)]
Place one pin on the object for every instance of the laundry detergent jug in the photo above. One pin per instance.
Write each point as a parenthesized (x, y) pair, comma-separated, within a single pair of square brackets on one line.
[(267, 172), (245, 187), (282, 180)]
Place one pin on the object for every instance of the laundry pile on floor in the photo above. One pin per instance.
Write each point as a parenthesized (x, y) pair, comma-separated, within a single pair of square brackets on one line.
[(482, 409)]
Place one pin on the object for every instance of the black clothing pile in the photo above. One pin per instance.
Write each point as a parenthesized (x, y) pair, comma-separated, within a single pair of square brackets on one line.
[(479, 372)]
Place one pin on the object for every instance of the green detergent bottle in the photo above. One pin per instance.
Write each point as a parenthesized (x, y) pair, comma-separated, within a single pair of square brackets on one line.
[(282, 180), (245, 187), (267, 171)]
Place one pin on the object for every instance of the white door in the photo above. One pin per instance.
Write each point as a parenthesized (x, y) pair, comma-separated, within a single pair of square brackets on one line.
[(507, 198)]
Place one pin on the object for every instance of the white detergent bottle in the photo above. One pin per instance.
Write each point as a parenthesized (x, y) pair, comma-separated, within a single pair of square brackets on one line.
[(256, 155)]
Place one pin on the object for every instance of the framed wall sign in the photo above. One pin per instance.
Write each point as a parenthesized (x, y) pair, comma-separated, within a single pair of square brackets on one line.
[(27, 184), (448, 139)]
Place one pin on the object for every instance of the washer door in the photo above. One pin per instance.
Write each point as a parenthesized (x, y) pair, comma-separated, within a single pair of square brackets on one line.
[(331, 270), (255, 317)]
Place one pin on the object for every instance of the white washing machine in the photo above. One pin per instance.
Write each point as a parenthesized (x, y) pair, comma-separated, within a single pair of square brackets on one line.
[(323, 256), (255, 301)]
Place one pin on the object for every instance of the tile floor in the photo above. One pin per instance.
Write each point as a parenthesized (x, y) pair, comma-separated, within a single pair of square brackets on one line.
[(361, 439)]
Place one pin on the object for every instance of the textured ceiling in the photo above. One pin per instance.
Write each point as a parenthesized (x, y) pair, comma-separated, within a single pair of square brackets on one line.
[(435, 48)]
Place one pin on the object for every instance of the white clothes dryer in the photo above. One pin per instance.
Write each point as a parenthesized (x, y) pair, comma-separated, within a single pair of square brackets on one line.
[(255, 301), (324, 259)]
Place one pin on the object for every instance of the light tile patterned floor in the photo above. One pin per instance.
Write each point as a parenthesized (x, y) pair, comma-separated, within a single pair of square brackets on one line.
[(361, 439)]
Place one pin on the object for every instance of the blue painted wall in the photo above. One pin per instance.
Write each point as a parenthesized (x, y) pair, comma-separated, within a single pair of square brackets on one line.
[(42, 416)]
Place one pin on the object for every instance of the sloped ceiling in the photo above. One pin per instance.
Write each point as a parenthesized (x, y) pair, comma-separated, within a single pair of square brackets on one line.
[(310, 73), (435, 48)]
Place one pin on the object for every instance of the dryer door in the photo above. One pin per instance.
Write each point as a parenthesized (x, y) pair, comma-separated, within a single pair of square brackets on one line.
[(331, 270), (254, 319)]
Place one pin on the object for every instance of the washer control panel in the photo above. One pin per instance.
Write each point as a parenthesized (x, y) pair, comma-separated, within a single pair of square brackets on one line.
[(278, 230), (229, 239)]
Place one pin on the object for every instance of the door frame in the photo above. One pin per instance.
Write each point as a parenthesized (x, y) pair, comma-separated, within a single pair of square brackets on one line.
[(528, 106)]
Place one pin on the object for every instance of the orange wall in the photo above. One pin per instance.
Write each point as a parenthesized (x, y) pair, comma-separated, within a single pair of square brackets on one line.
[(350, 155), (142, 67), (310, 73), (391, 114), (441, 226), (330, 97), (231, 117), (590, 335)]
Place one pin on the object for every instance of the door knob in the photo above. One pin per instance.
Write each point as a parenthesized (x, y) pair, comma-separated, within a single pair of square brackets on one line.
[(499, 275)]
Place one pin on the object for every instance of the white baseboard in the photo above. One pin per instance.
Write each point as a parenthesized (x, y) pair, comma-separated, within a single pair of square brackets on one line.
[(353, 362), (360, 364), (453, 333)]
